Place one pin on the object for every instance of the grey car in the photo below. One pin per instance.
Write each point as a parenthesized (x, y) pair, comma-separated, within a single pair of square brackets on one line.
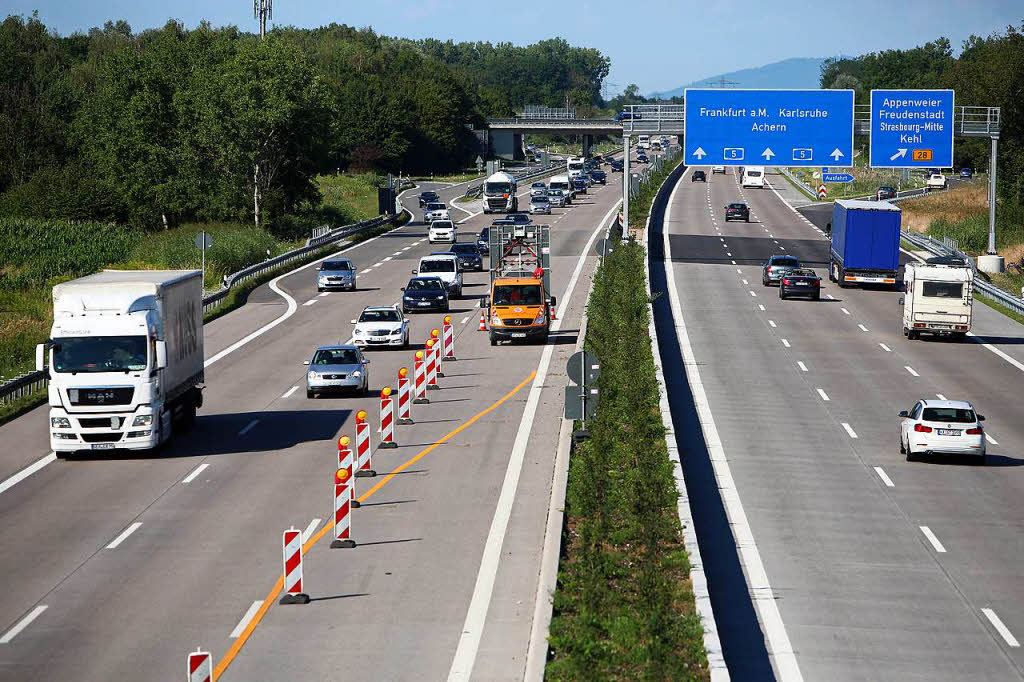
[(556, 197), (337, 368), (336, 273), (776, 267)]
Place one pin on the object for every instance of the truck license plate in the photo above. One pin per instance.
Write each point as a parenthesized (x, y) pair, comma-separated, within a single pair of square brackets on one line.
[(949, 432), (518, 335), (102, 446)]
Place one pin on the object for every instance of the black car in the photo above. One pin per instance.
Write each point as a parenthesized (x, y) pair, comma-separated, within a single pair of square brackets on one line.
[(483, 241), (520, 218), (886, 192), (641, 158), (428, 197), (737, 211), (424, 293), (469, 256), (800, 282), (616, 166), (599, 176), (698, 176)]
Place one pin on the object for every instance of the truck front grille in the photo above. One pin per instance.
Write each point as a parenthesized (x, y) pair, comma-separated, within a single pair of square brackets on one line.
[(101, 437), (519, 321), (121, 395), (101, 423)]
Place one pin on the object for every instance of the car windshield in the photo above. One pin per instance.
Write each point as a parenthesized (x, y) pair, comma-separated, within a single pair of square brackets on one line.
[(441, 225), (955, 415), (803, 273), (435, 206), (497, 187), (99, 354), (386, 315), (427, 284), (738, 207), (539, 185), (336, 265), (335, 356), (519, 218), (464, 248), (540, 199), (785, 262), (527, 294), (439, 265)]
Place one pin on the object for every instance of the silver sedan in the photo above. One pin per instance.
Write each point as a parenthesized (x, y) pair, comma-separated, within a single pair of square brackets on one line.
[(337, 368)]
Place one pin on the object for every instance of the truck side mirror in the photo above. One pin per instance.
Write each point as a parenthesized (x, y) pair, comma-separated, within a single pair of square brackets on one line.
[(161, 354), (554, 302), (40, 357), (355, 321), (305, 362)]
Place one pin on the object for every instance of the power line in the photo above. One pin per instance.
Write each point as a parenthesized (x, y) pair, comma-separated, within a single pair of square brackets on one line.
[(721, 82)]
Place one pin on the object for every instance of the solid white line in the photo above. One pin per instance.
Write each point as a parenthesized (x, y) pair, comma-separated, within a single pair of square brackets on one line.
[(824, 396), (761, 593), (288, 393), (476, 615), (761, 307), (17, 478), (248, 427), (801, 365), (397, 253), (995, 350), (885, 477), (771, 323), (22, 624), (885, 348), (785, 343), (996, 623), (244, 623), (195, 472), (862, 328), (310, 529), (406, 248), (910, 369), (940, 396), (853, 434), (990, 439), (310, 302), (845, 311), (932, 539), (124, 535)]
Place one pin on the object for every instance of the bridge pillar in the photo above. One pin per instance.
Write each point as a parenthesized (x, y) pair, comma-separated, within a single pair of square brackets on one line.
[(588, 142), (507, 144)]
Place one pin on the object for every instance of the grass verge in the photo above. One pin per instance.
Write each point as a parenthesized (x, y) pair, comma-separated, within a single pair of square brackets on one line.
[(624, 605), (454, 178)]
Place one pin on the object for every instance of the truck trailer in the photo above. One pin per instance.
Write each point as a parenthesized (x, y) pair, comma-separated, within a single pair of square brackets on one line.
[(125, 359), (865, 243), (939, 298)]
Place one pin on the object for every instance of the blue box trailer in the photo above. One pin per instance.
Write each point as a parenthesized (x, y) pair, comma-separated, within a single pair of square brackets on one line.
[(865, 243)]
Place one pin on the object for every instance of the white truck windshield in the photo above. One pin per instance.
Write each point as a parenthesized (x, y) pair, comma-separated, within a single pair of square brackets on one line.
[(497, 187), (99, 354)]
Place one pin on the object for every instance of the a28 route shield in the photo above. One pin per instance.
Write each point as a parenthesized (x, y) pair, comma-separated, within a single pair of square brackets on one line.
[(768, 127)]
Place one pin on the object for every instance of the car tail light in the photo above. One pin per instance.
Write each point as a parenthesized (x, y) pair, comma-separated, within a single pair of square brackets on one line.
[(921, 428), (817, 282), (976, 431), (961, 326), (919, 324), (785, 281)]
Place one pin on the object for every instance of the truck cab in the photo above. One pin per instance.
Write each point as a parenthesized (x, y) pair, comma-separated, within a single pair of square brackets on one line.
[(939, 298), (499, 193)]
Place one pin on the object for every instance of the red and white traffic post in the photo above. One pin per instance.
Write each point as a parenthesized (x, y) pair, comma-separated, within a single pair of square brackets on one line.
[(344, 495), (293, 594), (448, 338), (404, 397), (419, 387), (431, 366), (387, 419), (199, 667), (435, 336), (364, 469)]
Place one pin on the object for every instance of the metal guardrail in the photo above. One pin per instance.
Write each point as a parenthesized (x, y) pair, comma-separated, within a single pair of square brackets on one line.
[(986, 289), (474, 191)]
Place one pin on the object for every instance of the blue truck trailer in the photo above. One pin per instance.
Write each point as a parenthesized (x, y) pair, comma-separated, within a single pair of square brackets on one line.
[(865, 243)]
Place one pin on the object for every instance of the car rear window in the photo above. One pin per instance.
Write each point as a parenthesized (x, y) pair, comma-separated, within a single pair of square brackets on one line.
[(738, 206), (943, 289), (464, 248), (787, 262), (439, 265), (954, 415)]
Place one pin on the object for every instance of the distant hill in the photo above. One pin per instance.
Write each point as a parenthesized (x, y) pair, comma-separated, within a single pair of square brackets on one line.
[(798, 72)]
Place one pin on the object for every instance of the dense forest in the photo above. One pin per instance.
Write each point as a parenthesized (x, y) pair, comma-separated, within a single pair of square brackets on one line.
[(988, 72), (170, 125)]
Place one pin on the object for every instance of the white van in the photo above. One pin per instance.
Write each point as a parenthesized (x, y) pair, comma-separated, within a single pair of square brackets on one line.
[(562, 182), (643, 142), (753, 176), (441, 231), (939, 298), (444, 266)]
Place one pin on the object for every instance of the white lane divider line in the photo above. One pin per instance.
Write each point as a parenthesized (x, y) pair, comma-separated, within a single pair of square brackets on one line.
[(738, 271), (932, 539), (195, 472), (752, 293), (325, 294), (940, 396), (801, 365), (464, 320), (849, 430), (824, 396), (124, 535), (746, 282), (771, 323), (728, 254), (845, 311), (397, 253), (733, 262), (885, 477), (17, 478), (22, 624), (310, 301), (387, 259), (248, 427), (990, 439), (863, 328), (406, 248), (244, 623), (377, 264), (912, 371), (761, 307), (830, 297), (885, 348), (289, 392), (310, 529), (785, 343), (996, 623)]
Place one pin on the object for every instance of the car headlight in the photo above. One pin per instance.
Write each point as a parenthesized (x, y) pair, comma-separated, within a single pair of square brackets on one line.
[(322, 277), (312, 375), (60, 422), (142, 420), (540, 318), (441, 297), (357, 374), (496, 320)]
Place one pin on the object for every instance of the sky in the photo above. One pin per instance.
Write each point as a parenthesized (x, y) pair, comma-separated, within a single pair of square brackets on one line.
[(657, 44)]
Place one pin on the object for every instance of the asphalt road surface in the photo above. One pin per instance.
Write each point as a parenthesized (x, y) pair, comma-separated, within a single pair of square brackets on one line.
[(879, 569), (117, 566)]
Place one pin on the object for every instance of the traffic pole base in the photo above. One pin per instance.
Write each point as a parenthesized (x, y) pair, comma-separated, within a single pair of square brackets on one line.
[(366, 473), (421, 401), (300, 598), (355, 504), (343, 544), (578, 436), (405, 422), (440, 375), (433, 387), (388, 445)]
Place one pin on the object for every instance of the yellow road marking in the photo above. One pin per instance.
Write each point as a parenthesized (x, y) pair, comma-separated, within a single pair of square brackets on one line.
[(237, 645)]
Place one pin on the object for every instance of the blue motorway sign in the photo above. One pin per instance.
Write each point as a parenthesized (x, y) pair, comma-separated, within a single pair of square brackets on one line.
[(837, 177), (912, 128), (768, 127)]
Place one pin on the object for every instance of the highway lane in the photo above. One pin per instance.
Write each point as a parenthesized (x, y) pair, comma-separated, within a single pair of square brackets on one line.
[(861, 588), (207, 549)]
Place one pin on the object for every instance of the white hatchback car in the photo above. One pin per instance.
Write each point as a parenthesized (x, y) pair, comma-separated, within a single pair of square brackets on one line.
[(442, 231), (950, 427), (381, 326)]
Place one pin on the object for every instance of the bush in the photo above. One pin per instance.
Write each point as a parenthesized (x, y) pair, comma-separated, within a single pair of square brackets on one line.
[(972, 232)]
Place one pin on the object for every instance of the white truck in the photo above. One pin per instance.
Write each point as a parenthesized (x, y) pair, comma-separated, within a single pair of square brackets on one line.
[(576, 165), (500, 194), (125, 359), (939, 298)]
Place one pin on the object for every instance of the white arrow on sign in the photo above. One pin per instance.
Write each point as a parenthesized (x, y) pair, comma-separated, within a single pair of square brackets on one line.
[(836, 154), (768, 153), (699, 153), (900, 153)]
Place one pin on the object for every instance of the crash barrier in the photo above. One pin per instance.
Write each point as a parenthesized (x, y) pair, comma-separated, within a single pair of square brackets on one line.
[(387, 419), (292, 550), (419, 379), (199, 667), (364, 467), (448, 338), (404, 399), (344, 496)]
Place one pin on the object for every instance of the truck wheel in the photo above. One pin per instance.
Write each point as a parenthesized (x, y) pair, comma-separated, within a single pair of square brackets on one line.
[(912, 335), (494, 340)]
